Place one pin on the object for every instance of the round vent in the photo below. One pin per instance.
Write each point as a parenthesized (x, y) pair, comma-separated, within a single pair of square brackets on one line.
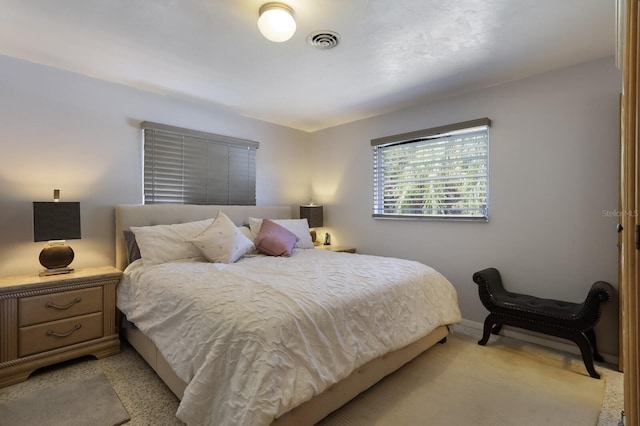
[(324, 40)]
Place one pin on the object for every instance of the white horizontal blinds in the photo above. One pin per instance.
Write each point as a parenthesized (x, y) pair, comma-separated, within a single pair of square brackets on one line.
[(183, 166), (443, 175)]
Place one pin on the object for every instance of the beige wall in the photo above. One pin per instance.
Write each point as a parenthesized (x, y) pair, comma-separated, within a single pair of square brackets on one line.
[(553, 171), (81, 135)]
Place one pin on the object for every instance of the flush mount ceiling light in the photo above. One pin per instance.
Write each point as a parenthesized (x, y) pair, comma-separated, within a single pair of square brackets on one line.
[(276, 21)]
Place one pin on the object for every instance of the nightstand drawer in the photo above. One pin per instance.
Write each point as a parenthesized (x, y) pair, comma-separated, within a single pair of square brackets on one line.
[(55, 306), (57, 334)]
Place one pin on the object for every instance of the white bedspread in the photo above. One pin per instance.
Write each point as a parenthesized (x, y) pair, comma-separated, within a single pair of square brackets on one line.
[(256, 338)]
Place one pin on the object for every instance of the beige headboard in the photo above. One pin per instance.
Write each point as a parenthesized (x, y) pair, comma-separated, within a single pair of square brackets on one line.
[(162, 214)]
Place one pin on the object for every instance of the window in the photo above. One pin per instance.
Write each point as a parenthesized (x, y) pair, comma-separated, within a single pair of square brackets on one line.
[(433, 173), (183, 166)]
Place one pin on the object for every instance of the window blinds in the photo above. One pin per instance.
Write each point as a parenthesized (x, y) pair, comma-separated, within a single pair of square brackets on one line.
[(183, 166), (433, 173)]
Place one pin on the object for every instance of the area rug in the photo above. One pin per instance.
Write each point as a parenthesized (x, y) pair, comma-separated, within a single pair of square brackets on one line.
[(86, 402), (462, 383)]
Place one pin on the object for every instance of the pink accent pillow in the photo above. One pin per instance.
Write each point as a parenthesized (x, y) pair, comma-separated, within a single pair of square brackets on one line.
[(275, 240)]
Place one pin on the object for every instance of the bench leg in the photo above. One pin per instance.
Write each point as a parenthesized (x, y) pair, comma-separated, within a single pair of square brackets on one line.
[(587, 353), (591, 335), (489, 323)]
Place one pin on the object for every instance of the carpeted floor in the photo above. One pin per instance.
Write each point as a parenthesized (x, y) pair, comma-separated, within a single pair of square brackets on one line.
[(494, 385), (613, 402), (149, 402)]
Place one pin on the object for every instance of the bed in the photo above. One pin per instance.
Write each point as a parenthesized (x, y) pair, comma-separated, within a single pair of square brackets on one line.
[(272, 340)]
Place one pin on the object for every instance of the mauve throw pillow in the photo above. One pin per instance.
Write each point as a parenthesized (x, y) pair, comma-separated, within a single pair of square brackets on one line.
[(275, 240)]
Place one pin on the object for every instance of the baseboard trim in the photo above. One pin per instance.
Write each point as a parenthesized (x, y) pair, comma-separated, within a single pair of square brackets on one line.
[(538, 339)]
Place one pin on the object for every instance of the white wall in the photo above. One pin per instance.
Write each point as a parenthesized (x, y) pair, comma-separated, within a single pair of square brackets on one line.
[(82, 135), (553, 170)]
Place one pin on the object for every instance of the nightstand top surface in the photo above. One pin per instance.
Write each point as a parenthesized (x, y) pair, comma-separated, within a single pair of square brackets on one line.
[(16, 282), (346, 249)]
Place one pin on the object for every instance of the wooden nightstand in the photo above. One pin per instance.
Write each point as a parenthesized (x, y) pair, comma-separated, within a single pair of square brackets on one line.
[(344, 249), (46, 320)]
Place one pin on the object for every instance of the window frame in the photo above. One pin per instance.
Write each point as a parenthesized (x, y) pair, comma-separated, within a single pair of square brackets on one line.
[(421, 138), (204, 166)]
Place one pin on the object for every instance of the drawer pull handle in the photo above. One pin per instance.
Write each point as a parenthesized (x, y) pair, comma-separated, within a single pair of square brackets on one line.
[(68, 333), (63, 307)]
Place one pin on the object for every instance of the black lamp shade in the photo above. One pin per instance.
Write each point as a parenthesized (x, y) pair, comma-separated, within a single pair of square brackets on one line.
[(56, 221), (313, 214)]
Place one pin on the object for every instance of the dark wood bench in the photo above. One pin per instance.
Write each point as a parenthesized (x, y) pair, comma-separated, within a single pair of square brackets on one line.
[(572, 321)]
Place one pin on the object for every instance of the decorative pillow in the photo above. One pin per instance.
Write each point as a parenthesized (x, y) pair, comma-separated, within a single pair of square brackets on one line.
[(247, 233), (222, 241), (275, 240), (164, 243), (133, 251), (300, 227)]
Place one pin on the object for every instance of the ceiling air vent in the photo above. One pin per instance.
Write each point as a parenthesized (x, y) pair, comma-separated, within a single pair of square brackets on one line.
[(324, 40)]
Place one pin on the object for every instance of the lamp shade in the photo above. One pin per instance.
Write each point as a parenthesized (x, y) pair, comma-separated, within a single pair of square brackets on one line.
[(313, 214), (276, 21), (56, 221)]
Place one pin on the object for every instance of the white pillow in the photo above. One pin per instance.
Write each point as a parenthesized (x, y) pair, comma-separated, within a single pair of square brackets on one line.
[(246, 231), (164, 243), (222, 241), (300, 227)]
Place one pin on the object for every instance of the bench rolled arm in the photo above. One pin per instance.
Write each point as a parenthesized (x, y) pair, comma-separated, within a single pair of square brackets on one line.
[(489, 284), (600, 292), (486, 276)]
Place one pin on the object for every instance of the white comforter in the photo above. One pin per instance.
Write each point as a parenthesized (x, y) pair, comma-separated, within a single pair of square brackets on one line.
[(256, 338)]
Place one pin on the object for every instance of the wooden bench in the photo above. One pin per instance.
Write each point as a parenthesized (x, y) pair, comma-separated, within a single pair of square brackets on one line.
[(572, 321)]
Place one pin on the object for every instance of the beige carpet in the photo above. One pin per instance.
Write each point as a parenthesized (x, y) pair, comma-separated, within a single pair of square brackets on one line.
[(87, 402), (150, 402), (462, 383)]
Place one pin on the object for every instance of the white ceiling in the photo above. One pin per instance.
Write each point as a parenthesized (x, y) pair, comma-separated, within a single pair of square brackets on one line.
[(394, 53)]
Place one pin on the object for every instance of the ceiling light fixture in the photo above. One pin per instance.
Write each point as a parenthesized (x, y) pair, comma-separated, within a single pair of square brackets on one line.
[(276, 21)]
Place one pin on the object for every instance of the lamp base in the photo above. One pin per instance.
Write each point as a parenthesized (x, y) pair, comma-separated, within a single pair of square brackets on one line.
[(56, 257), (55, 271)]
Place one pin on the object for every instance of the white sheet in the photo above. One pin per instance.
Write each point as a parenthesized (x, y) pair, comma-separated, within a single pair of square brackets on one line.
[(256, 338)]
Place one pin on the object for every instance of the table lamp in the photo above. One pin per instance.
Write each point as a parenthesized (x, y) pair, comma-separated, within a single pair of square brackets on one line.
[(56, 222)]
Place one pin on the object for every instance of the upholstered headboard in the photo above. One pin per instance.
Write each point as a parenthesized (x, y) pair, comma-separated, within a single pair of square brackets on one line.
[(162, 214)]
